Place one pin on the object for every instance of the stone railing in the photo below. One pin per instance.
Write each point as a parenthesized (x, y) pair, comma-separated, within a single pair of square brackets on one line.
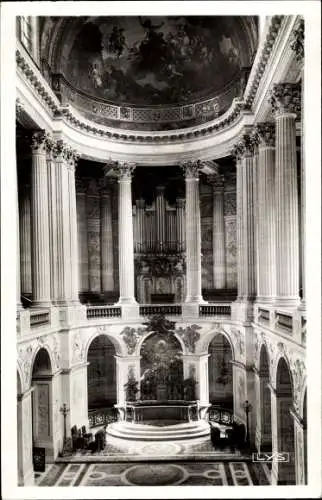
[(39, 318), (97, 312), (168, 309), (223, 310), (102, 416), (282, 321)]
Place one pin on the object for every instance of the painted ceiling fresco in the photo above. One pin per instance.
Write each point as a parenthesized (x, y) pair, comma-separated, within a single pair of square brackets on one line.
[(156, 60)]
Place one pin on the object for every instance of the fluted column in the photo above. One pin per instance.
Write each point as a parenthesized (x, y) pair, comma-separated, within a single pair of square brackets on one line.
[(107, 265), (181, 227), (245, 219), (126, 251), (160, 216), (71, 164), (25, 238), (62, 234), (298, 47), (82, 235), (40, 220), (18, 282), (285, 101), (53, 219), (266, 275), (239, 223), (218, 238), (193, 232)]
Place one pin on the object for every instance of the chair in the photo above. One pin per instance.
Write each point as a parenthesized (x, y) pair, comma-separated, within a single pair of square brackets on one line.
[(87, 436)]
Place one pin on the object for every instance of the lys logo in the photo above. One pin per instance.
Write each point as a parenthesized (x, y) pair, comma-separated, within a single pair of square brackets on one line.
[(271, 457)]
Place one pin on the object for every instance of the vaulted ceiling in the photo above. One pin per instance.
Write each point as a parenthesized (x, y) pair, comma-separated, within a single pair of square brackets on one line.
[(150, 63)]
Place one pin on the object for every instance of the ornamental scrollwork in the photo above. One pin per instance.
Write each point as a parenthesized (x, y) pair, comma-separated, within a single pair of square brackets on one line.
[(266, 133), (190, 336), (191, 169), (131, 337), (298, 43)]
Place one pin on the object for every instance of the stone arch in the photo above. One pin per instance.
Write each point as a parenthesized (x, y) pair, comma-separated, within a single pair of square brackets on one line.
[(101, 373), (148, 334), (285, 421), (303, 399), (282, 356), (39, 349), (120, 348), (220, 370), (208, 337), (42, 400), (264, 400)]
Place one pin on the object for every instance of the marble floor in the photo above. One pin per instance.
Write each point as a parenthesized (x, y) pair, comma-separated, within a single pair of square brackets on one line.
[(120, 450), (231, 473)]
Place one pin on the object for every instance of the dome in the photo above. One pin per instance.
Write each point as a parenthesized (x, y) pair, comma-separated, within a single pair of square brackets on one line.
[(153, 73)]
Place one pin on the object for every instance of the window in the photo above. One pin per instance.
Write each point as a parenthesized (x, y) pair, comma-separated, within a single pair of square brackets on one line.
[(26, 32)]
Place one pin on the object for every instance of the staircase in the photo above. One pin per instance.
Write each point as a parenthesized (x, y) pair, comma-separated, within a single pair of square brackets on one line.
[(144, 432)]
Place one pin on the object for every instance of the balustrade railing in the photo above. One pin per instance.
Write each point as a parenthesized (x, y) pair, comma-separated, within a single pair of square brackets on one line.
[(39, 318), (220, 415), (215, 310), (102, 416), (169, 309), (263, 316), (166, 247), (97, 312), (284, 321)]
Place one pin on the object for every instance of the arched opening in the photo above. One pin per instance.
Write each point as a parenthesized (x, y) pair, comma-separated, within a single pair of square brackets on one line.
[(42, 422), (265, 402), (220, 372), (285, 423), (161, 368), (305, 438), (101, 375)]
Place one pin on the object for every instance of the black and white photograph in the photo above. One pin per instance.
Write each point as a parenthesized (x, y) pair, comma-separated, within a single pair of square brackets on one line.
[(160, 207)]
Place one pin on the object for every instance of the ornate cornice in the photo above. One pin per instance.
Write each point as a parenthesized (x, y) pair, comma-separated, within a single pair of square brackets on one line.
[(286, 98), (271, 36), (266, 133), (298, 41), (191, 169)]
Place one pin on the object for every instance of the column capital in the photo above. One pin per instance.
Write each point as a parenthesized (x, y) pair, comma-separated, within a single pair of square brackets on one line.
[(217, 182), (191, 169), (140, 203), (298, 41), (122, 170), (64, 152), (286, 99), (266, 133), (245, 147), (39, 140), (180, 202)]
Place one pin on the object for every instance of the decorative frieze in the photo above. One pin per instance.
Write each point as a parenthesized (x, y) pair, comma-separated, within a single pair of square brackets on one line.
[(298, 43)]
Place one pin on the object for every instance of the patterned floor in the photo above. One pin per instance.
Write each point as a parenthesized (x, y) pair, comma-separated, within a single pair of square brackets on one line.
[(235, 473), (119, 450)]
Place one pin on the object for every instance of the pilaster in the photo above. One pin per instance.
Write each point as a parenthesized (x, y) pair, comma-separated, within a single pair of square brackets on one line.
[(24, 452), (218, 239)]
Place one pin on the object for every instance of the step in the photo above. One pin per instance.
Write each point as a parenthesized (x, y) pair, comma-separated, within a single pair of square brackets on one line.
[(143, 432)]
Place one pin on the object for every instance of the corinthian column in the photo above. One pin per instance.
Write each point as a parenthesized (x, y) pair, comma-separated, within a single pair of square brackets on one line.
[(61, 237), (181, 229), (72, 160), (193, 233), (40, 221), (245, 219), (25, 239), (218, 238), (285, 101), (266, 277), (126, 252), (107, 266)]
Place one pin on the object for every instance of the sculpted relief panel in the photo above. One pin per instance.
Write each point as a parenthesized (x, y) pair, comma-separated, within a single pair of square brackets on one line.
[(231, 252)]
